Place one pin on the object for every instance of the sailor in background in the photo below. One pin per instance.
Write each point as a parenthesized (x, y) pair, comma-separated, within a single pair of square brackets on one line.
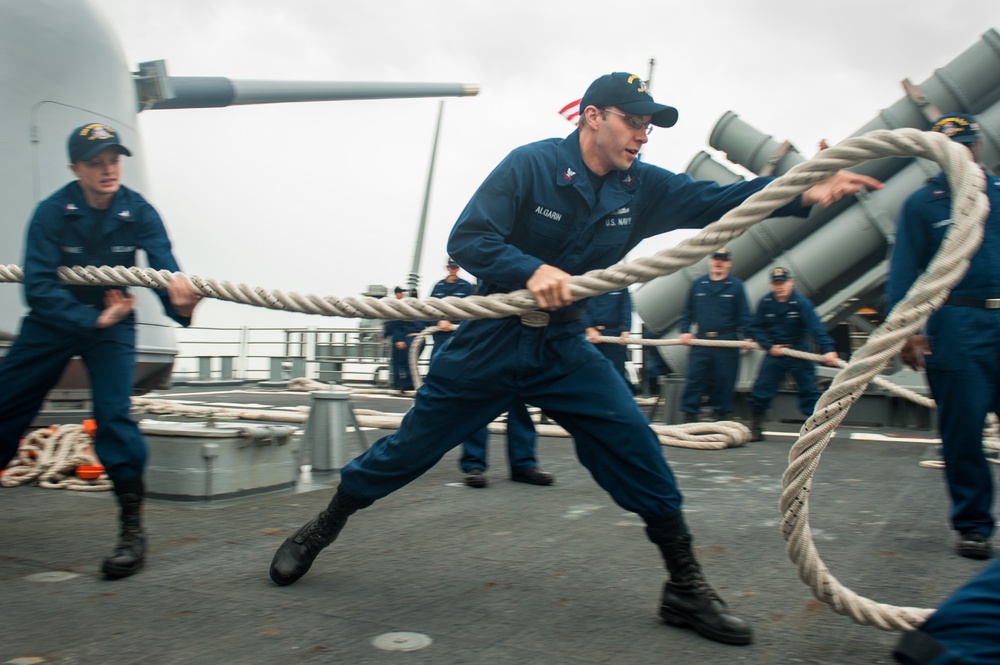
[(961, 345), (717, 306), (610, 315), (400, 335), (653, 364), (452, 285), (786, 319), (522, 452), (94, 220)]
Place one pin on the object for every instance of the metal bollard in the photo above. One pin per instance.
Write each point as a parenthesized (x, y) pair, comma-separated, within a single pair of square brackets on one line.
[(276, 373), (326, 428), (204, 368), (672, 388)]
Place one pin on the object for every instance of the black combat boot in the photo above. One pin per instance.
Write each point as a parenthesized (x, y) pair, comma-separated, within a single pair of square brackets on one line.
[(688, 600), (130, 553), (757, 425), (690, 417), (295, 556)]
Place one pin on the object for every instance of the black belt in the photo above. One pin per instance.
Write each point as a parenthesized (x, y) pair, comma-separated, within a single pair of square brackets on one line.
[(981, 303), (712, 334), (539, 319)]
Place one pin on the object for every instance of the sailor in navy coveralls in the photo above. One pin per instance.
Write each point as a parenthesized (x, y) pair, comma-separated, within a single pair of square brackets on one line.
[(786, 319), (451, 286), (553, 209), (717, 306), (964, 630), (400, 335), (961, 345), (522, 452), (91, 221), (610, 315)]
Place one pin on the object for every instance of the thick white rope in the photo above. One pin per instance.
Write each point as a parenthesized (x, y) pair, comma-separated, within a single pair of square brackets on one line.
[(969, 209), (881, 382), (991, 427), (703, 436), (414, 356), (756, 208), (876, 144)]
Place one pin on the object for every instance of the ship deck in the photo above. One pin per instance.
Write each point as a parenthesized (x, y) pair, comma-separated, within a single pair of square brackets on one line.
[(513, 574)]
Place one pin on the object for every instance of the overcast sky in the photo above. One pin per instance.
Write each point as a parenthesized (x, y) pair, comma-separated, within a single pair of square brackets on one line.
[(325, 198)]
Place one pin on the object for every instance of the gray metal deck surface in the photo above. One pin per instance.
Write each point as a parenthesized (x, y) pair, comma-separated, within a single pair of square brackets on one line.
[(513, 574)]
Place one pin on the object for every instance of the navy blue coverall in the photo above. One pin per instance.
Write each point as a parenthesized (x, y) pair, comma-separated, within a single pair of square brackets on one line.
[(539, 207), (611, 314), (61, 323), (963, 369), (789, 323), (720, 310), (964, 630), (521, 442), (401, 331), (653, 364), (444, 289)]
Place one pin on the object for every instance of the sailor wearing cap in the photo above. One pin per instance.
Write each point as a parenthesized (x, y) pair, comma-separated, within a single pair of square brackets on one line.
[(549, 210), (94, 220), (786, 319), (961, 345), (453, 286), (400, 335), (717, 306)]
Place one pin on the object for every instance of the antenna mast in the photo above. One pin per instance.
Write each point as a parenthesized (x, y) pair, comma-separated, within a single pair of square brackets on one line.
[(418, 248)]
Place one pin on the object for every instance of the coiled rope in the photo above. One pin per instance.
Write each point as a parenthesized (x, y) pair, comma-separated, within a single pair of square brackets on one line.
[(969, 209), (702, 436), (48, 457)]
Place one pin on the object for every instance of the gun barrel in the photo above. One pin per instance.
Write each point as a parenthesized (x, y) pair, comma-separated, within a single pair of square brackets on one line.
[(194, 92)]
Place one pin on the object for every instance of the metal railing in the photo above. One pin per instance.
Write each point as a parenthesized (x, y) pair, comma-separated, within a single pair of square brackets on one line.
[(356, 356), (341, 355)]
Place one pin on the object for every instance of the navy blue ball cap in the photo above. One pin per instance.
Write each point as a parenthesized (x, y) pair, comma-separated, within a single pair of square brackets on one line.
[(723, 255), (452, 263), (958, 127), (780, 274), (88, 141), (629, 93)]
